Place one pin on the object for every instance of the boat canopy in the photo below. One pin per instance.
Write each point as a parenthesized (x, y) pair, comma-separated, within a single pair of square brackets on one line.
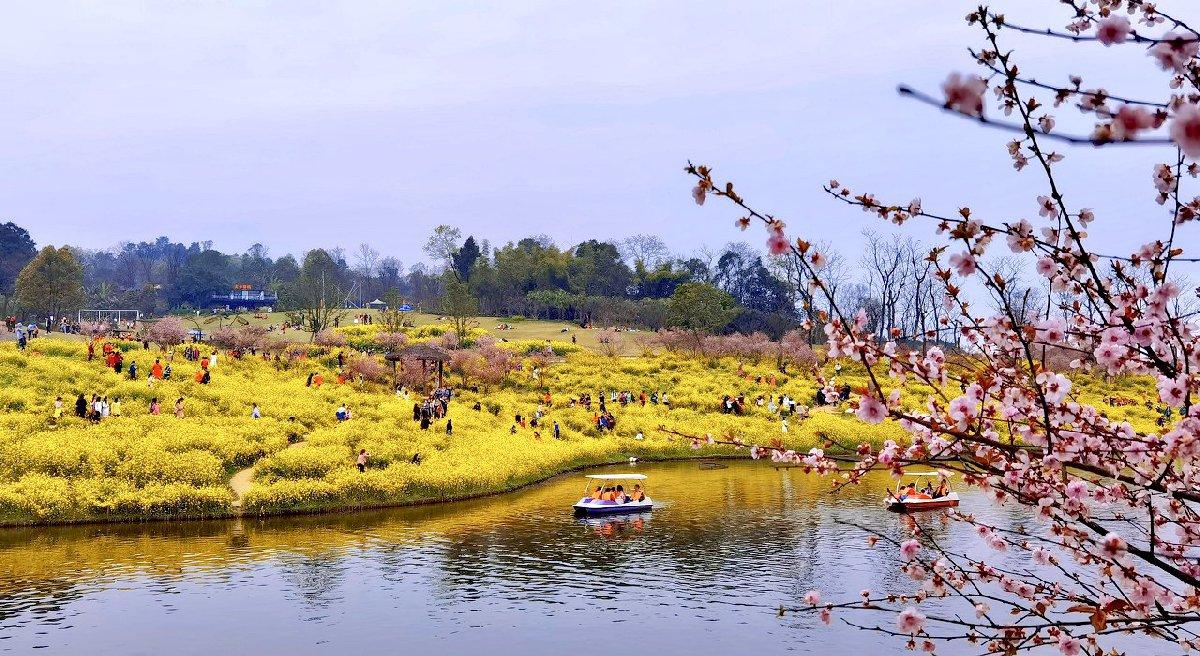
[(618, 477)]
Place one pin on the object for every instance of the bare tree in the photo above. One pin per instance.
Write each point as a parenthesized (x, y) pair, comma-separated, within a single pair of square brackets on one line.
[(650, 250), (441, 245), (368, 262)]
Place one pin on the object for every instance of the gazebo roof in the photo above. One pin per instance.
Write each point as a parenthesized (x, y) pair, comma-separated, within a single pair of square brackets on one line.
[(427, 352)]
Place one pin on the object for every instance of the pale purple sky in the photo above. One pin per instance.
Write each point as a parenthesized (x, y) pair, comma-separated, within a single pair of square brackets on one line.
[(301, 124)]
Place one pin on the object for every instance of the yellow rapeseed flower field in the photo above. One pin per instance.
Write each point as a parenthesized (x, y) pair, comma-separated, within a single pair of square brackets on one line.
[(140, 466)]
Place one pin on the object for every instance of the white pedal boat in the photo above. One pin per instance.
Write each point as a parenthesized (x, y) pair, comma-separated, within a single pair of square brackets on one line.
[(590, 506)]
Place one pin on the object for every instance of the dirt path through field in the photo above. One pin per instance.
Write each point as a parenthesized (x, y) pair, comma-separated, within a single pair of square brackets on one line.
[(240, 482)]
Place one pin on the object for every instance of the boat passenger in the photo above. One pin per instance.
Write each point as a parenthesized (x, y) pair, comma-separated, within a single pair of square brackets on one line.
[(620, 496), (912, 493), (637, 494)]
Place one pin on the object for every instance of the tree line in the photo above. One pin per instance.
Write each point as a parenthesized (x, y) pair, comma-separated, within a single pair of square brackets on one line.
[(629, 282)]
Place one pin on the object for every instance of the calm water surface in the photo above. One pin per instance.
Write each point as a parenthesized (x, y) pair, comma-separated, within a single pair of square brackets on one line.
[(517, 574)]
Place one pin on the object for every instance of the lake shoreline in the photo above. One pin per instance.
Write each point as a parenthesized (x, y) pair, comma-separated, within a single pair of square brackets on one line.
[(346, 509)]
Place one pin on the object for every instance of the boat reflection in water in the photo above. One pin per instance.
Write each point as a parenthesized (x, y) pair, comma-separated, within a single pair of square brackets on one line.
[(623, 526)]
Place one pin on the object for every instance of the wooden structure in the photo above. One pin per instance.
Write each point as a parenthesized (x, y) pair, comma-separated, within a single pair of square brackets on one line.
[(426, 354)]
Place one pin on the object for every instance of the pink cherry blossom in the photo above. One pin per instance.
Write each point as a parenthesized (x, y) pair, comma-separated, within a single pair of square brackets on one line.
[(1108, 355), (1069, 645), (1185, 129), (812, 597), (1076, 489), (1047, 207), (871, 410), (1112, 30), (1020, 238), (1054, 386), (910, 621), (1129, 121), (909, 549), (1052, 330), (777, 244), (1175, 50), (1113, 546), (963, 263), (1041, 556), (698, 194), (826, 615), (1173, 391), (964, 93)]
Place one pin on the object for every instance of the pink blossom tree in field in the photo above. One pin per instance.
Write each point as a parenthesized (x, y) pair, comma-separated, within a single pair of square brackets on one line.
[(225, 337), (329, 338), (94, 328), (167, 331), (390, 341), (610, 341), (368, 368), (494, 364), (1112, 537)]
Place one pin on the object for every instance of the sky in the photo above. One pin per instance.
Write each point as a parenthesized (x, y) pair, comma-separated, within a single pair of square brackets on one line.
[(301, 124)]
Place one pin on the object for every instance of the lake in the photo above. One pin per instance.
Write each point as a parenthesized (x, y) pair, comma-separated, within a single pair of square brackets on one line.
[(515, 574)]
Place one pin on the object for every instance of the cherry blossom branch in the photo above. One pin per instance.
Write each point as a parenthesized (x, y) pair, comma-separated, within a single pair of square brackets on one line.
[(1015, 128)]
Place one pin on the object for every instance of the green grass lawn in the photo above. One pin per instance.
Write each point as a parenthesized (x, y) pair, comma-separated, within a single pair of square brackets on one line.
[(499, 327)]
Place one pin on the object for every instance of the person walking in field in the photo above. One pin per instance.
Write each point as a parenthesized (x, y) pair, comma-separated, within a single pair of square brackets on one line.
[(91, 351), (449, 427), (133, 370), (116, 406), (157, 369), (255, 413), (155, 408), (81, 407), (179, 407), (362, 460), (58, 405)]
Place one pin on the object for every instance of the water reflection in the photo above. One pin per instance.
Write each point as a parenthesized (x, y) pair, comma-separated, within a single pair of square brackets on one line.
[(703, 573)]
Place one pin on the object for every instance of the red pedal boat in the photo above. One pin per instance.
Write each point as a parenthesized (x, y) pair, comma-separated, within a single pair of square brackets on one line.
[(909, 499)]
